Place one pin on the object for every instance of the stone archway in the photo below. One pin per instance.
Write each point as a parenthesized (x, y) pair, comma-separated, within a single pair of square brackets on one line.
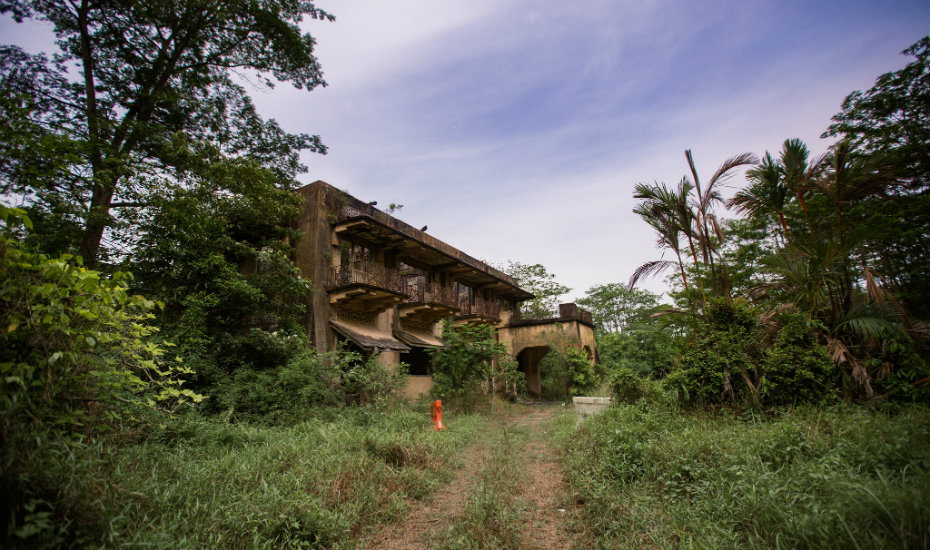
[(529, 358)]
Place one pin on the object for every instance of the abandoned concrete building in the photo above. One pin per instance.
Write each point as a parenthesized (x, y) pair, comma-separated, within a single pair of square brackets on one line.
[(383, 287)]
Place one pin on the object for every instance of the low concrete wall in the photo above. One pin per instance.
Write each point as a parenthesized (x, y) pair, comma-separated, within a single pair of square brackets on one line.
[(587, 406), (417, 386)]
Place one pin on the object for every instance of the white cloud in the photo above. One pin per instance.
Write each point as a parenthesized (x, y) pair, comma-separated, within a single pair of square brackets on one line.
[(516, 130)]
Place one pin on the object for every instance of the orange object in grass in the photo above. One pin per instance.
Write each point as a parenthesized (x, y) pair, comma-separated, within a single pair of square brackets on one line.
[(435, 409)]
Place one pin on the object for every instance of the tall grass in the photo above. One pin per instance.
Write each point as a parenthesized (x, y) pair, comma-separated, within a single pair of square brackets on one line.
[(839, 477), (199, 483)]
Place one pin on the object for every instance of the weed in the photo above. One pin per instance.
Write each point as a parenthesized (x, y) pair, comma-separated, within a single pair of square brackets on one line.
[(198, 482), (832, 477)]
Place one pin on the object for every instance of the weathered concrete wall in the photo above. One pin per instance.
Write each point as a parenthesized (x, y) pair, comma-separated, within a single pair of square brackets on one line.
[(518, 337), (313, 256), (588, 406), (319, 250), (417, 386)]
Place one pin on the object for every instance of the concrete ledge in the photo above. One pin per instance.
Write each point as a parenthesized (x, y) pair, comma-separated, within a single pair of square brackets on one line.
[(587, 406)]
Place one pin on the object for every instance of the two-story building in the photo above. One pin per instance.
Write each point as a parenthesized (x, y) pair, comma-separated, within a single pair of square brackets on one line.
[(383, 287)]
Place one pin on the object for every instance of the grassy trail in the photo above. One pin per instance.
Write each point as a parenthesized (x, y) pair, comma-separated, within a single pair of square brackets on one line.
[(509, 493)]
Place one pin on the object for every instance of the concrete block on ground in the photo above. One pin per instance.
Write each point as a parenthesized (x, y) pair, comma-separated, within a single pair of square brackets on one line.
[(587, 406)]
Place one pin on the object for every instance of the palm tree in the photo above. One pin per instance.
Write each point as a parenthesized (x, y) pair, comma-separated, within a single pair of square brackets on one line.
[(766, 194), (661, 210), (705, 216)]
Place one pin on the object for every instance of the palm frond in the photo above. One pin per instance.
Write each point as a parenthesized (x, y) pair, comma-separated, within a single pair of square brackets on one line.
[(725, 171), (649, 269), (668, 311)]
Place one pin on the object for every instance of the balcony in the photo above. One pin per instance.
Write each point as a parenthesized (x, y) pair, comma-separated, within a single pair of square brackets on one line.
[(481, 311), (374, 288), (428, 303)]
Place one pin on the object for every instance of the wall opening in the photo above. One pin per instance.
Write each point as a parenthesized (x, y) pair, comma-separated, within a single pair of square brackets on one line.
[(419, 361), (529, 359)]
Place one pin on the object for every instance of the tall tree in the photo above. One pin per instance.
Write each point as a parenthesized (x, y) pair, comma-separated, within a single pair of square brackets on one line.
[(708, 196), (536, 279), (893, 116), (669, 213), (614, 307), (774, 182), (154, 80), (892, 119)]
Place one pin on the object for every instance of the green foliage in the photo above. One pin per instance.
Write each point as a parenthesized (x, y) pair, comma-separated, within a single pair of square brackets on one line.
[(71, 336), (509, 380), (566, 369), (731, 361), (306, 379), (78, 354), (616, 308), (831, 477), (721, 366), (646, 349), (625, 385), (542, 284), (892, 119), (216, 255), (326, 481), (796, 368), (893, 115), (461, 368), (365, 379), (840, 238), (144, 103)]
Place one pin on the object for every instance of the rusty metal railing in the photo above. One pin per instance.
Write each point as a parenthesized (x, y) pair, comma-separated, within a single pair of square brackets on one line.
[(481, 307), (422, 292), (373, 275)]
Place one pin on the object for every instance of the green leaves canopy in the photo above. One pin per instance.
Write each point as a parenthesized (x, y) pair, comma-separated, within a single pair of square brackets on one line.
[(150, 72)]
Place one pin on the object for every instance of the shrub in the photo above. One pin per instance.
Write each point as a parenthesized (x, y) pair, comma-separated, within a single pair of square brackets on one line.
[(509, 380), (731, 363), (566, 372), (625, 385), (461, 368), (796, 368), (365, 379), (77, 355)]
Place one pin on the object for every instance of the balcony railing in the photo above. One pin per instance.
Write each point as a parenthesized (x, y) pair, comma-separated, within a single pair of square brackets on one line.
[(481, 307), (423, 293), (373, 275)]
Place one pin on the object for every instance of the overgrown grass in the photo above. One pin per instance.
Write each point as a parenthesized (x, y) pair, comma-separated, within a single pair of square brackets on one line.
[(839, 477), (491, 517), (199, 483)]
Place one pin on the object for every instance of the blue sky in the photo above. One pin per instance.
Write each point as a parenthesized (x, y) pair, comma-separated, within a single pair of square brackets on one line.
[(517, 129)]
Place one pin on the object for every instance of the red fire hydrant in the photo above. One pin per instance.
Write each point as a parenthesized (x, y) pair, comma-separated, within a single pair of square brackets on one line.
[(435, 409)]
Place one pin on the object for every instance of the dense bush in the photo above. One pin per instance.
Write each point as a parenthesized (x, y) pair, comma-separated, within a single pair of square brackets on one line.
[(732, 362), (307, 379), (567, 371), (462, 368), (837, 476), (795, 368), (217, 254), (78, 355)]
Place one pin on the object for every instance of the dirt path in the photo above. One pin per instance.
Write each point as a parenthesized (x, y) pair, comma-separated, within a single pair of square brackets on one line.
[(547, 511)]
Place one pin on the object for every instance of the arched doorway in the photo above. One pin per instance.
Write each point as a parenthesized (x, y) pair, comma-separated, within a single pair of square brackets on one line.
[(529, 358)]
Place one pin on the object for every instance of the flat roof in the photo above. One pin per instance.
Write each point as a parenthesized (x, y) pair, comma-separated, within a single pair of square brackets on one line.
[(386, 227)]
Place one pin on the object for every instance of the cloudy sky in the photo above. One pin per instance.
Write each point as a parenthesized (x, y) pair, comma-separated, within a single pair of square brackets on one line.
[(517, 129)]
